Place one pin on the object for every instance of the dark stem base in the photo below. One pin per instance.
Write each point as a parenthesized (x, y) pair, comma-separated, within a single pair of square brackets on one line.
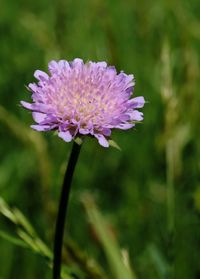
[(62, 210)]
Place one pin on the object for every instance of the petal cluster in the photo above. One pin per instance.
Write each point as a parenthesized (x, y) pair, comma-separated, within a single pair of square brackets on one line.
[(78, 98)]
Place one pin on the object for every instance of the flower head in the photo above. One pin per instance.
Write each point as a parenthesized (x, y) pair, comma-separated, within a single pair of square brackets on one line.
[(83, 99)]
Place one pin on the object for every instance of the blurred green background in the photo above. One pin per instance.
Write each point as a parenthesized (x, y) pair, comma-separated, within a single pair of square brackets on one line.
[(150, 191)]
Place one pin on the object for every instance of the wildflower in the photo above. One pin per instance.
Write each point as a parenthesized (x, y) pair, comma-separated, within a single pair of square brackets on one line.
[(83, 99)]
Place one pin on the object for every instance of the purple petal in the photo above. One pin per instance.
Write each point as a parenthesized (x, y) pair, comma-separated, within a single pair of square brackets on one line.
[(106, 132), (77, 62), (56, 67), (42, 108), (41, 128), (137, 102), (102, 140), (27, 105), (110, 73), (102, 64), (38, 107), (38, 116), (125, 126), (40, 75), (33, 87), (111, 70), (124, 117), (129, 90), (53, 66), (84, 131), (136, 115), (63, 64), (66, 136), (128, 78)]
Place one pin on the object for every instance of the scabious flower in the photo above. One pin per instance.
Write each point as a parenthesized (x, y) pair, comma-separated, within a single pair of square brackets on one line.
[(83, 99)]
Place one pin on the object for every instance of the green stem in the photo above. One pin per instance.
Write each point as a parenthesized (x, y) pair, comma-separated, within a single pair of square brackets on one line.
[(170, 185), (62, 210), (170, 204)]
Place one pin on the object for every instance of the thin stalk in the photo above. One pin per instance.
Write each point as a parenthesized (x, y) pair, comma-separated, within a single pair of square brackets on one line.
[(170, 205), (170, 185), (62, 210)]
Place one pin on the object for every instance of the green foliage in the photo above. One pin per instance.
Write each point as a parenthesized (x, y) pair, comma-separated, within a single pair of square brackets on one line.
[(27, 236), (120, 268), (149, 191)]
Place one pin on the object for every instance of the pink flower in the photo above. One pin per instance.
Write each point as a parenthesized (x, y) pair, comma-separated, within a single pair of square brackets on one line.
[(83, 99)]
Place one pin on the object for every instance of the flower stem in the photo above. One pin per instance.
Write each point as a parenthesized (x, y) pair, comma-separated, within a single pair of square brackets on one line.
[(170, 205), (62, 210)]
